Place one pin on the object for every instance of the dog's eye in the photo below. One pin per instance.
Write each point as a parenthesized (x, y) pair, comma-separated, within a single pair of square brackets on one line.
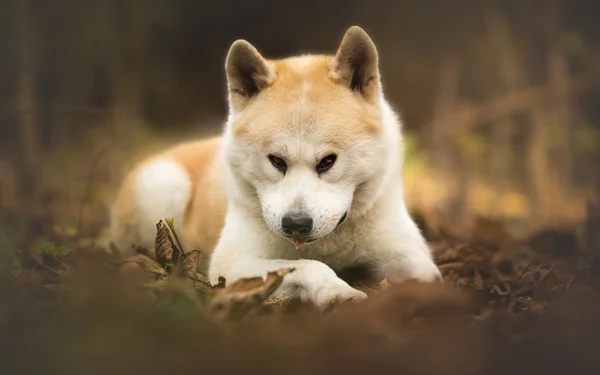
[(326, 163), (278, 163)]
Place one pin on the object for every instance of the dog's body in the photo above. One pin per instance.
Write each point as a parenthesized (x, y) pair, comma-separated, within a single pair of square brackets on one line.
[(311, 153)]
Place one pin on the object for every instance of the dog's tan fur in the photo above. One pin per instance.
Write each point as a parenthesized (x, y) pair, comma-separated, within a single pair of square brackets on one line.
[(205, 212), (304, 86)]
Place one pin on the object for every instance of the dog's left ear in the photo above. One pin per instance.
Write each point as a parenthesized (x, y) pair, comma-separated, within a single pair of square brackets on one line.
[(356, 63)]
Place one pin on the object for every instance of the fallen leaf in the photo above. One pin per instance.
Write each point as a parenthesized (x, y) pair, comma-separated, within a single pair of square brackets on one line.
[(163, 245), (171, 225), (190, 263), (146, 264), (239, 299)]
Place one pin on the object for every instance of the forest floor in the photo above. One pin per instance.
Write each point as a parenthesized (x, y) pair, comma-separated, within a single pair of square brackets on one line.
[(69, 306)]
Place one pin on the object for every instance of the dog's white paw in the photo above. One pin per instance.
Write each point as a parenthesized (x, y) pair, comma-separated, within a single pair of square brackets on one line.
[(422, 270), (328, 295)]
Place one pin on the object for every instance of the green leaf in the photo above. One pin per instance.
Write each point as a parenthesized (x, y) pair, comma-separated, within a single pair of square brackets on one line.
[(51, 248), (114, 249), (159, 284)]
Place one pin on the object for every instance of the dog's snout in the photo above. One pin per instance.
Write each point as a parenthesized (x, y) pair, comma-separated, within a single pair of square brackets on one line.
[(297, 224)]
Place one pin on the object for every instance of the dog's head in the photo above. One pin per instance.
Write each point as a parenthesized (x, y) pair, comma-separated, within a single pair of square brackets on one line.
[(305, 133)]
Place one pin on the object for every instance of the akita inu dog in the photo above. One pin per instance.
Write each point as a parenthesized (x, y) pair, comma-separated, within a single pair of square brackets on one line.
[(308, 174)]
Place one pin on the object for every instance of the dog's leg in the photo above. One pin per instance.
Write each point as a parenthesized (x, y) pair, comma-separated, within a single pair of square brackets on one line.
[(246, 250), (311, 281), (398, 250)]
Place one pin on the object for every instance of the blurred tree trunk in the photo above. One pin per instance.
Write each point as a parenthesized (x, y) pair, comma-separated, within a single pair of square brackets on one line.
[(562, 123), (543, 180), (558, 76), (446, 156), (68, 53), (75, 71), (26, 100), (127, 69), (535, 163), (510, 72), (445, 104)]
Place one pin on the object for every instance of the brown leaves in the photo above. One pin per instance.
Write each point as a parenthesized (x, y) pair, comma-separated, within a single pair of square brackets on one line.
[(512, 280), (516, 296), (245, 296), (224, 303), (171, 255), (173, 271), (511, 277)]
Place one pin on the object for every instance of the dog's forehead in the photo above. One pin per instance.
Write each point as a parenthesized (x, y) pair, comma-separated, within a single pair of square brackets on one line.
[(296, 148), (305, 103)]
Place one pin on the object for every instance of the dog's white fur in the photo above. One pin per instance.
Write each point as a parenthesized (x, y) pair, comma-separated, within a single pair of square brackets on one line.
[(365, 182), (162, 190)]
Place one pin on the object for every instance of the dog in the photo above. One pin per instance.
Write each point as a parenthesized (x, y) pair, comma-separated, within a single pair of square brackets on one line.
[(307, 175)]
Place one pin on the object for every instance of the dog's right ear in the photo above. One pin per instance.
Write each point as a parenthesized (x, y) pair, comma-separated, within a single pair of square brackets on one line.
[(248, 73)]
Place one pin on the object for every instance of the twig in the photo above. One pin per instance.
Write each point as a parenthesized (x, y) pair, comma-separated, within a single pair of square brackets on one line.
[(203, 282), (528, 265), (88, 188)]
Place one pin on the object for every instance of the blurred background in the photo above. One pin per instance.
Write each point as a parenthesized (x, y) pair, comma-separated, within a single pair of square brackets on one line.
[(500, 98)]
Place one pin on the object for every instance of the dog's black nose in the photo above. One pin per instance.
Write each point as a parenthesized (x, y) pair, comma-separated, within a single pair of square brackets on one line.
[(297, 224)]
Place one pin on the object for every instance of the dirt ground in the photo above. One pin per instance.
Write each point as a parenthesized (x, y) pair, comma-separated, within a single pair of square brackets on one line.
[(70, 307)]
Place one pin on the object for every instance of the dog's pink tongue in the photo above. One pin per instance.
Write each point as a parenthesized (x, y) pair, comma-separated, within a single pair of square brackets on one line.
[(299, 243)]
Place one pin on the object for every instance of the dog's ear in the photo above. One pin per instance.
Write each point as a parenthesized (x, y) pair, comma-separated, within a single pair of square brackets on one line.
[(356, 63), (247, 72)]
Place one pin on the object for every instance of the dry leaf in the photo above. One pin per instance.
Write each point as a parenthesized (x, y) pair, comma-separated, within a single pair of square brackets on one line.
[(163, 245), (243, 296), (146, 264), (190, 270), (167, 246), (190, 263), (477, 281), (175, 237)]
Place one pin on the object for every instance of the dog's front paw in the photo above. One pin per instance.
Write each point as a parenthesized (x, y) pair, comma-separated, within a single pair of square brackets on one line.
[(421, 270), (329, 295)]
